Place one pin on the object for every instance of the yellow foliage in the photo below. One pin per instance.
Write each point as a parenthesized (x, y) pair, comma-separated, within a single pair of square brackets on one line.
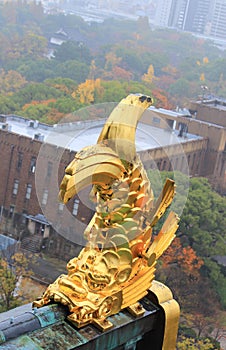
[(205, 60), (194, 344), (11, 81), (10, 277), (170, 70), (198, 63), (92, 70), (112, 60), (86, 91), (202, 77), (148, 77)]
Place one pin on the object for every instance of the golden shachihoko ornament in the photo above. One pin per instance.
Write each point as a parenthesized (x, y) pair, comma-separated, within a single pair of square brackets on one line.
[(116, 267)]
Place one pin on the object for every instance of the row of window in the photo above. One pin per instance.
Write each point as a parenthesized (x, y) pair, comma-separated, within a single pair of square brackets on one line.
[(28, 192), (32, 166), (178, 163), (44, 197)]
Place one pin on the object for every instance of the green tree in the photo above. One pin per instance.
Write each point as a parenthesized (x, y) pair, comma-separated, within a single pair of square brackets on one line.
[(202, 223), (7, 105), (65, 85), (180, 88), (71, 50), (73, 69), (35, 92), (38, 111), (36, 70)]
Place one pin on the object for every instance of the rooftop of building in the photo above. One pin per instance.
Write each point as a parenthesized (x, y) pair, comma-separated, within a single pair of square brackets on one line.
[(213, 102), (79, 134)]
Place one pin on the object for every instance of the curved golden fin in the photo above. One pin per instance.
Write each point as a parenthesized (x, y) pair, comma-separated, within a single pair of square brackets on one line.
[(164, 238), (164, 200)]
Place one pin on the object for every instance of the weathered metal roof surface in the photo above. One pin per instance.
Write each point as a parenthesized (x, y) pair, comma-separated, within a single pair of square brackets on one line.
[(47, 328)]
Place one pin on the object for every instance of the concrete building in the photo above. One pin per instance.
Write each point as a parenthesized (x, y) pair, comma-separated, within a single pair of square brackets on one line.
[(202, 17), (218, 20), (162, 14), (34, 155), (197, 16), (177, 14)]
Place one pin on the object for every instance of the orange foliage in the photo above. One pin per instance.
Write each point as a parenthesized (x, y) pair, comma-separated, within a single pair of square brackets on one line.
[(161, 100), (54, 116), (120, 73), (165, 81), (185, 258), (111, 60), (35, 103), (170, 70), (205, 60), (62, 88), (11, 81)]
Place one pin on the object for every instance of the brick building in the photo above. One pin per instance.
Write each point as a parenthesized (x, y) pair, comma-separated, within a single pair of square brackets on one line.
[(34, 155)]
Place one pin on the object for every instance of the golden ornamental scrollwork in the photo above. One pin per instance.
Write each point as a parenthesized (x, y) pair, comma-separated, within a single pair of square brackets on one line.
[(117, 266)]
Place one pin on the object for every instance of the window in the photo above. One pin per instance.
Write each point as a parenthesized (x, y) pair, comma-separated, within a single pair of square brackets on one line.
[(15, 187), (183, 129), (28, 191), (61, 207), (176, 163), (11, 211), (49, 169), (156, 120), (19, 160), (75, 207), (164, 165), (45, 197), (33, 165), (24, 213), (189, 158)]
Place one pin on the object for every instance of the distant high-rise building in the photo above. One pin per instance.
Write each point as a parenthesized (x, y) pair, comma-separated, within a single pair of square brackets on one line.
[(197, 15), (218, 20), (177, 13), (207, 17), (189, 15), (162, 13)]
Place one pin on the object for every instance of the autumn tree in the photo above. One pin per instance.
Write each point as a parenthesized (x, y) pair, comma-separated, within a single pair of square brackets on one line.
[(86, 91), (111, 60), (161, 99), (184, 257), (180, 270), (32, 45), (195, 344), (11, 81), (149, 76), (65, 85), (11, 272)]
